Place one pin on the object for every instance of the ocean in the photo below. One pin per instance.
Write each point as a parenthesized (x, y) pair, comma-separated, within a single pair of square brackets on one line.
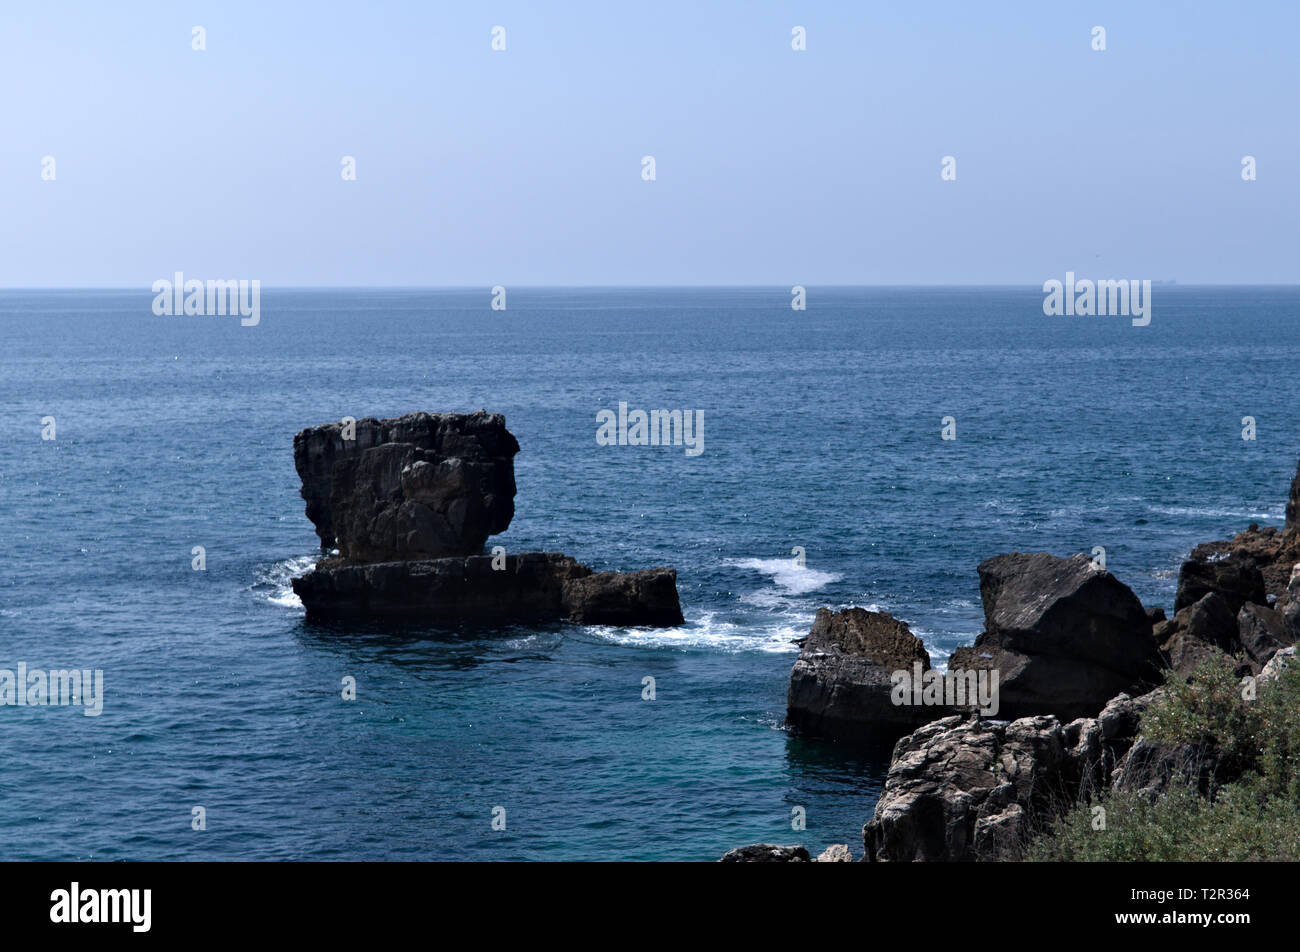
[(822, 431)]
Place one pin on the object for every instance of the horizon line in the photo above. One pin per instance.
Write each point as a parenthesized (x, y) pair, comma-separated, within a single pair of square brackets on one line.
[(147, 289)]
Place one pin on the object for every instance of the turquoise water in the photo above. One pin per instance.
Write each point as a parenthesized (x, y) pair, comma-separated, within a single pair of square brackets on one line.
[(822, 430)]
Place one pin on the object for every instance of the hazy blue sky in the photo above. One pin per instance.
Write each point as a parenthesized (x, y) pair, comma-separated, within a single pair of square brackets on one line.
[(523, 167)]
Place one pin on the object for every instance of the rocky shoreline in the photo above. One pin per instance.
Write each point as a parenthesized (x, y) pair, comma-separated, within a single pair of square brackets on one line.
[(1045, 708), (1077, 660), (404, 507)]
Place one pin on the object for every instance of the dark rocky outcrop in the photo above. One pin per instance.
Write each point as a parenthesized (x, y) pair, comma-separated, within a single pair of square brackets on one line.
[(534, 586), (769, 853), (1292, 522), (1236, 578), (840, 686), (1261, 632), (409, 503), (1064, 635), (1273, 551), (648, 597), (1208, 629), (766, 853), (425, 485), (1197, 633)]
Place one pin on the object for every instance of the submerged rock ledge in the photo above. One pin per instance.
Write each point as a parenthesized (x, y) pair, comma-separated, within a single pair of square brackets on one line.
[(410, 502), (532, 587)]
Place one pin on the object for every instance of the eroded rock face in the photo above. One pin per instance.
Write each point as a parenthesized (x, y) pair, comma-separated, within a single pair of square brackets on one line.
[(1150, 768), (1064, 636), (969, 790), (840, 686), (959, 790), (421, 486), (1282, 659)]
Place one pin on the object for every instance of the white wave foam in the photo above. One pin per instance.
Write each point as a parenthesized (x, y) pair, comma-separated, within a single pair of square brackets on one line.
[(794, 578), (273, 581), (709, 632), (1276, 514)]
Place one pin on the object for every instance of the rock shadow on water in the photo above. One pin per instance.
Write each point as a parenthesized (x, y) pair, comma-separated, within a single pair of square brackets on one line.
[(410, 641)]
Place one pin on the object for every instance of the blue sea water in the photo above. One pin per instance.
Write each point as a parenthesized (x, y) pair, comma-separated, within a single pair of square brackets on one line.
[(822, 430)]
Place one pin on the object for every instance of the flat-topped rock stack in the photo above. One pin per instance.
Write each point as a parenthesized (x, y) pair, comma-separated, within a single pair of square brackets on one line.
[(409, 504)]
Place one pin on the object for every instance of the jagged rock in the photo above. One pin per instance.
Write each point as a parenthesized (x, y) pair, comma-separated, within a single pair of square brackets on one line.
[(975, 790), (965, 790), (766, 853), (840, 686), (1155, 615), (1200, 632), (835, 853), (1236, 578), (531, 587), (940, 777), (1212, 620), (1261, 632), (1095, 746), (425, 485), (1064, 636), (648, 597)]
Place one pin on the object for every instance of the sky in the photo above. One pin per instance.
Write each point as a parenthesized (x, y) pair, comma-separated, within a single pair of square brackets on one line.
[(523, 166)]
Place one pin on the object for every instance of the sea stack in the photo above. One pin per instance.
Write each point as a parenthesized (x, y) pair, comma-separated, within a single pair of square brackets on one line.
[(409, 504)]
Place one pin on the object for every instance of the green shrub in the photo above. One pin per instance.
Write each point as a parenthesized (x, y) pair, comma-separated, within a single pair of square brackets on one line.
[(1238, 825), (1252, 808)]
